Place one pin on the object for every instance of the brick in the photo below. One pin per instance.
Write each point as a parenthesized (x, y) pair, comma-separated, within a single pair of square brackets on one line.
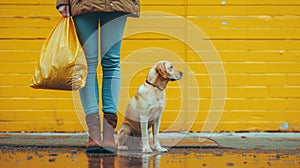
[(284, 92), (247, 67), (247, 92), (256, 80), (283, 67), (293, 79)]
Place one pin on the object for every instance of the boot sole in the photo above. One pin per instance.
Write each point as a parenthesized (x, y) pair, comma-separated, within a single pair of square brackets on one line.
[(108, 150), (94, 149), (103, 150)]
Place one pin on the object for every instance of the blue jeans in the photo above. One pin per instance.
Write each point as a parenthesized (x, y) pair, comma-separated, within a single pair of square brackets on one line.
[(112, 26)]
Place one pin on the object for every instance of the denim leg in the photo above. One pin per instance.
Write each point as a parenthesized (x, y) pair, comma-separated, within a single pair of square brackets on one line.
[(112, 29), (87, 31)]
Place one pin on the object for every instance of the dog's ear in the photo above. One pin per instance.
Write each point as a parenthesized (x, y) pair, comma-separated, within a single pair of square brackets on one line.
[(161, 70)]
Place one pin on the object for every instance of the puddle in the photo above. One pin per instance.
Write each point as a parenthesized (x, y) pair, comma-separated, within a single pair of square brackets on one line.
[(16, 157)]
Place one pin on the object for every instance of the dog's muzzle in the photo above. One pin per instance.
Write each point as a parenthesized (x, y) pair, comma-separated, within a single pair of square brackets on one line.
[(177, 78)]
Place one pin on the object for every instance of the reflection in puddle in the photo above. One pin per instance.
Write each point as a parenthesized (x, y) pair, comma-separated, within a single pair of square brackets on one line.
[(74, 157), (139, 160)]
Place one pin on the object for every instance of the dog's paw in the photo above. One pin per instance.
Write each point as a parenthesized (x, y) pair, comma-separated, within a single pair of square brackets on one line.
[(123, 148), (161, 149), (147, 149)]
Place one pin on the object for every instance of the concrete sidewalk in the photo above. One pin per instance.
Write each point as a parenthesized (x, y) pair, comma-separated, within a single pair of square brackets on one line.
[(269, 141)]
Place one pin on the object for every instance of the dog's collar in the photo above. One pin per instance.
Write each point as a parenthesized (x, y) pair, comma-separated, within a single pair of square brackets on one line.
[(154, 85)]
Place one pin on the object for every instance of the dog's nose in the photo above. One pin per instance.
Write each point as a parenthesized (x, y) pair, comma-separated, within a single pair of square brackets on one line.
[(180, 73)]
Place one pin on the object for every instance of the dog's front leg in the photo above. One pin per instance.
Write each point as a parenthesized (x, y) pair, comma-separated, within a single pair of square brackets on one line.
[(155, 130), (144, 130)]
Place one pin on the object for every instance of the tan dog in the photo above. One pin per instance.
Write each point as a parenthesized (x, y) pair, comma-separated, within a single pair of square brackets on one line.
[(146, 107)]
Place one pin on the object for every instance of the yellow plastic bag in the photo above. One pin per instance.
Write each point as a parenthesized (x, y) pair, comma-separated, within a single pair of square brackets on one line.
[(62, 63)]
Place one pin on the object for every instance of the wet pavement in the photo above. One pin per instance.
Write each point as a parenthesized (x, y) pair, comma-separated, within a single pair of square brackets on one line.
[(23, 157), (185, 151)]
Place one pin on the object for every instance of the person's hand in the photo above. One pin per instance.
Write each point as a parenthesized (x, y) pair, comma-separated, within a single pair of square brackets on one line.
[(64, 10)]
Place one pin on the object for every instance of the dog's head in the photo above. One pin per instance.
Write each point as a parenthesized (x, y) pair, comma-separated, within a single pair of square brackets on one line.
[(163, 72), (167, 71)]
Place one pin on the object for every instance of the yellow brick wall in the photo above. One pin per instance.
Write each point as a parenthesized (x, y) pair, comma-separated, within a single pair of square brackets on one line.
[(256, 43)]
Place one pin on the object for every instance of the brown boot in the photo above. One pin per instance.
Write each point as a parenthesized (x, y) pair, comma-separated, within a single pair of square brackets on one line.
[(94, 143), (109, 125)]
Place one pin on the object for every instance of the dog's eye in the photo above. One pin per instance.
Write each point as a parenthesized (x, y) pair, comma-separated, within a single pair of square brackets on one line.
[(171, 67)]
